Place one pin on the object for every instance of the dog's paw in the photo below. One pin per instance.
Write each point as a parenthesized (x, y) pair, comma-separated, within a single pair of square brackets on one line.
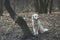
[(36, 33)]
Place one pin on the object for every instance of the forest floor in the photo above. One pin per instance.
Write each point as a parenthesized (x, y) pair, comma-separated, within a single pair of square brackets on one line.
[(12, 31)]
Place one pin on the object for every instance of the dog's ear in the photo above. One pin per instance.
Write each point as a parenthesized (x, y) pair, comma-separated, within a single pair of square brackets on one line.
[(32, 17)]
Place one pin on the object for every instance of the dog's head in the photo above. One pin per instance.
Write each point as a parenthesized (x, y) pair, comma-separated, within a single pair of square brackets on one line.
[(35, 16)]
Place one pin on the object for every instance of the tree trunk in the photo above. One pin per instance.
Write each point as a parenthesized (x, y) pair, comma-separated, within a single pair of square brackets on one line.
[(36, 4), (58, 4), (45, 7), (1, 7), (51, 5), (22, 23), (41, 6)]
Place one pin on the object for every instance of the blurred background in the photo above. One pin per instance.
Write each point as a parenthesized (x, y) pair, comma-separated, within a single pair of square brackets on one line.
[(35, 5), (49, 15)]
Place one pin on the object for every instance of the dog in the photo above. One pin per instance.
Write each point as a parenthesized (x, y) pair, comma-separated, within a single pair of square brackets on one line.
[(37, 25)]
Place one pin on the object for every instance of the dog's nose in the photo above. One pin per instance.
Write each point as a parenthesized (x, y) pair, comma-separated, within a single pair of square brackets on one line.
[(36, 19)]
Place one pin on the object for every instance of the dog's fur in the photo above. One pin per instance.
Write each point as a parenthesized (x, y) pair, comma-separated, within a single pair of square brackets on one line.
[(37, 25)]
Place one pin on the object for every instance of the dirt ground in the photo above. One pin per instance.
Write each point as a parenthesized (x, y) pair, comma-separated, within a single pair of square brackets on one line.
[(12, 31)]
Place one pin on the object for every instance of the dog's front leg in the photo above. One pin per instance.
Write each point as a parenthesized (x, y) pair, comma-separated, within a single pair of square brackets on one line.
[(34, 29)]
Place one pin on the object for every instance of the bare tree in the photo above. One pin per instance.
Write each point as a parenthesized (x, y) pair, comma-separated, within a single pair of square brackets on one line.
[(1, 7), (51, 5), (36, 4), (59, 4), (43, 6), (20, 21)]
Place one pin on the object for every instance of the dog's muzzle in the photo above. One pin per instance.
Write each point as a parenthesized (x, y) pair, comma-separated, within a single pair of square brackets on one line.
[(36, 19)]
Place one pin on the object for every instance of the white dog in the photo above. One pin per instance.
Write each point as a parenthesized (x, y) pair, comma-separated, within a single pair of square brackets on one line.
[(37, 25)]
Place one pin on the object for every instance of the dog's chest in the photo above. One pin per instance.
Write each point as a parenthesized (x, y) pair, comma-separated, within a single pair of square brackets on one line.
[(36, 24)]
